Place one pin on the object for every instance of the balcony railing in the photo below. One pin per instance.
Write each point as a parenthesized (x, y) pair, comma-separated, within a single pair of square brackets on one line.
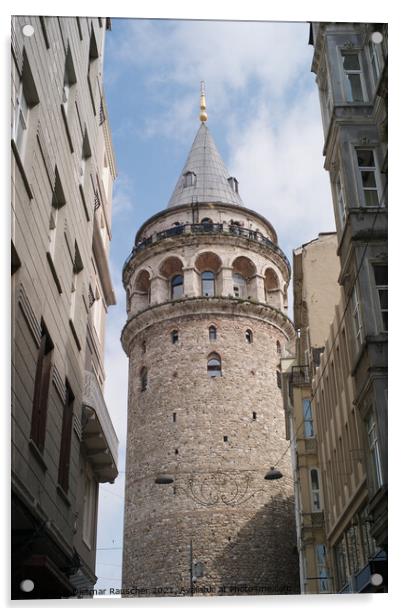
[(98, 432), (208, 229), (301, 375)]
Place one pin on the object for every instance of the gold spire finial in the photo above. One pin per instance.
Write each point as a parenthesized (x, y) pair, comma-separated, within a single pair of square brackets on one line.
[(203, 105)]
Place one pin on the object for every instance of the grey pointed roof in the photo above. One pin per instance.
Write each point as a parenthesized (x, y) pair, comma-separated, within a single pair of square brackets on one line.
[(211, 176)]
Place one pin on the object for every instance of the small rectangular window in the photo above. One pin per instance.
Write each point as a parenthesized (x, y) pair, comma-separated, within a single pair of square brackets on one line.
[(89, 508), (322, 570), (356, 318), (65, 442), (308, 420), (374, 452), (352, 77), (381, 285), (225, 439), (375, 60), (340, 202), (368, 177), (41, 389)]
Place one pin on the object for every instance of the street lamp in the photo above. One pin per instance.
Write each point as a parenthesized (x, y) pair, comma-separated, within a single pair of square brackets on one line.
[(273, 473)]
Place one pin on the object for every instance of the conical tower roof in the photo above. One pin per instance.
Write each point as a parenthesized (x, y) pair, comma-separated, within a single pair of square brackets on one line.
[(204, 178)]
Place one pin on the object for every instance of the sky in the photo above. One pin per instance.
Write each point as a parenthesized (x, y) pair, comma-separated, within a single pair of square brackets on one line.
[(264, 115)]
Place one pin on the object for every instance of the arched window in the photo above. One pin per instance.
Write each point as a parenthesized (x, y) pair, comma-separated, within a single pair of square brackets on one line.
[(212, 332), (143, 346), (175, 336), (208, 284), (278, 348), (176, 286), (214, 365), (315, 490), (239, 285), (144, 379), (249, 336), (206, 221)]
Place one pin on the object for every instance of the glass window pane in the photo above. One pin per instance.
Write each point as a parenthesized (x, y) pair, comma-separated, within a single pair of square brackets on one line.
[(355, 87), (371, 198), (314, 479), (383, 293), (368, 179), (381, 275), (365, 158), (351, 62)]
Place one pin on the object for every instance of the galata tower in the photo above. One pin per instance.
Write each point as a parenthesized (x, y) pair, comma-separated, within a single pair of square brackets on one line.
[(206, 287)]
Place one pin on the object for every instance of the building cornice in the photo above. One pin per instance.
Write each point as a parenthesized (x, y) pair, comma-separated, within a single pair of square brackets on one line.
[(208, 306), (181, 208)]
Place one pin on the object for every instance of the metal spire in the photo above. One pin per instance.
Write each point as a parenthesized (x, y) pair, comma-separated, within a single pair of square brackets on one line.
[(203, 105)]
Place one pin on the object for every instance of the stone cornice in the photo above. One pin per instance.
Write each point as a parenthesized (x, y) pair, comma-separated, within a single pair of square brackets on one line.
[(174, 243), (197, 306), (179, 208)]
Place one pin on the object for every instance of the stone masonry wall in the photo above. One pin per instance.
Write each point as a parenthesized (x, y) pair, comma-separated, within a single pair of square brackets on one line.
[(242, 527)]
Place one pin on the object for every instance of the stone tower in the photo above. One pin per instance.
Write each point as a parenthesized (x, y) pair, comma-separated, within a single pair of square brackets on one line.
[(206, 288)]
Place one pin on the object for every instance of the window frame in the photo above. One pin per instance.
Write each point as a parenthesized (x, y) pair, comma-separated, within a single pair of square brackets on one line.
[(308, 421), (89, 508), (214, 370), (346, 84), (375, 169), (239, 289), (375, 53), (340, 200), (377, 288), (173, 294), (212, 333), (316, 493), (212, 280), (42, 383), (66, 439), (356, 318), (374, 452), (322, 568)]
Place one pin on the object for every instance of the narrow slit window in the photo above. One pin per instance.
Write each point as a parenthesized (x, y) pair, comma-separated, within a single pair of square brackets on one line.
[(249, 336), (175, 336), (144, 379)]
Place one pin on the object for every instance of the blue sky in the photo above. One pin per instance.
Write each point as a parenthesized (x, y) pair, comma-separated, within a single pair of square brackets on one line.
[(263, 113)]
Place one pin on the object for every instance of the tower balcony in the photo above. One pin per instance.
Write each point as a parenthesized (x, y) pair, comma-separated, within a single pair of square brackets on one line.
[(98, 433), (204, 229)]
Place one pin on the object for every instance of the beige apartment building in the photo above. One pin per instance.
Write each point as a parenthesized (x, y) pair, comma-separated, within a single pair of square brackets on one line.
[(350, 388), (62, 163), (316, 291)]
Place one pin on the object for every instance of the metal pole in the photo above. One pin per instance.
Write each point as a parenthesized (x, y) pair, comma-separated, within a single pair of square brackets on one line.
[(191, 568)]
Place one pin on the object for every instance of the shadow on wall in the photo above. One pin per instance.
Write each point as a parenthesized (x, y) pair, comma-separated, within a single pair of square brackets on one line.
[(262, 559)]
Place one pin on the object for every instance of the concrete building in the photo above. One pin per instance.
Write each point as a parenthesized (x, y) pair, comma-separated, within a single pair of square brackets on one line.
[(206, 286), (316, 291), (350, 63), (63, 441)]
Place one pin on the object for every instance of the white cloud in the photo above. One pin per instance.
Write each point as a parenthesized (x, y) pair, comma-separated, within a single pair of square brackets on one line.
[(280, 170), (123, 196), (229, 56)]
